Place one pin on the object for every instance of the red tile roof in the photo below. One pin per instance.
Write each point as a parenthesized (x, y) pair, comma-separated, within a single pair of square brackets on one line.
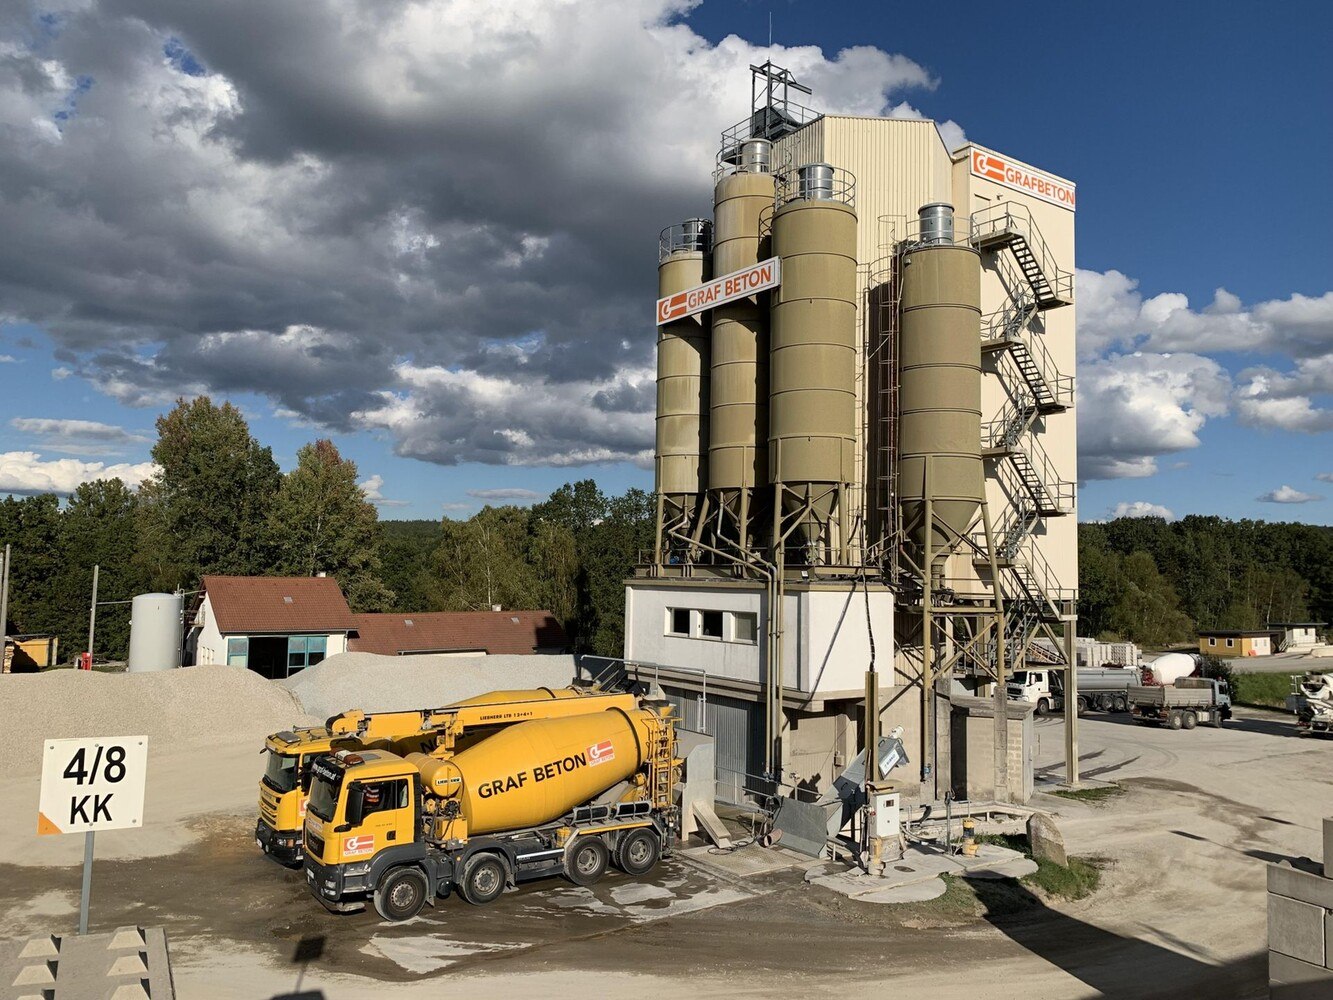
[(278, 604), (495, 632)]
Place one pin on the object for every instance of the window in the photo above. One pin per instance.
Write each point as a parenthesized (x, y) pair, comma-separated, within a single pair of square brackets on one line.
[(238, 651), (380, 796), (305, 651), (1231, 643), (710, 624), (1212, 641), (678, 621), (744, 627)]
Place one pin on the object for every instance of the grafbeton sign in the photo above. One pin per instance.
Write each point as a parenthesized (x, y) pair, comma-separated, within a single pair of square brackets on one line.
[(1002, 170), (728, 288)]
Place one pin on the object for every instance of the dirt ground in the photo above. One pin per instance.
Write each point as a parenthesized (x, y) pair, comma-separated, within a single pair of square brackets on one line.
[(1181, 911)]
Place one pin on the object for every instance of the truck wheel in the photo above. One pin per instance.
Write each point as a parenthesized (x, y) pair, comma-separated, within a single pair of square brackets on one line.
[(1120, 704), (1175, 721), (637, 852), (401, 894), (586, 860), (1191, 720), (1082, 705), (483, 879), (1043, 707)]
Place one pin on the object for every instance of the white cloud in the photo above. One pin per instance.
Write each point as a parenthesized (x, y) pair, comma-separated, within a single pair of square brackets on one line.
[(1325, 477), (1134, 408), (1286, 494), (1287, 402), (373, 488), (79, 437), (8, 359), (25, 472), (454, 507), (950, 131), (1139, 508), (505, 493)]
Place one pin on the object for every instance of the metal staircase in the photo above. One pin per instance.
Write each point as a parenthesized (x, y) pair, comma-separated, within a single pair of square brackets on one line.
[(1035, 388)]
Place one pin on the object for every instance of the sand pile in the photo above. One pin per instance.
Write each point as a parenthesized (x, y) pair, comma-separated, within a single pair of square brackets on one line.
[(392, 683), (188, 708)]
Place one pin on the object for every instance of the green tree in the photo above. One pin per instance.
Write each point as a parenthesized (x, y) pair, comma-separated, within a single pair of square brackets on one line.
[(613, 551), (206, 510), (483, 562), (31, 527), (321, 522), (407, 553)]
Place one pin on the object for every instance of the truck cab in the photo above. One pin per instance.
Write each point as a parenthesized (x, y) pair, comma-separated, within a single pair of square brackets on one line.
[(282, 791), (1035, 687)]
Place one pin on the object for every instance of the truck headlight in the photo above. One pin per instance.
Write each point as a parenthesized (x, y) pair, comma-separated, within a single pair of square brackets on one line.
[(361, 869)]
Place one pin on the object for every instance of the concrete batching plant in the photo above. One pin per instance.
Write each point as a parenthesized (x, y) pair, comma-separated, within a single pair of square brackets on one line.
[(865, 458)]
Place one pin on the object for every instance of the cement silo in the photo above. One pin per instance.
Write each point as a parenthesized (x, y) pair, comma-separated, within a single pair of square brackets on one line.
[(683, 362), (156, 632), (738, 393), (812, 374), (940, 387)]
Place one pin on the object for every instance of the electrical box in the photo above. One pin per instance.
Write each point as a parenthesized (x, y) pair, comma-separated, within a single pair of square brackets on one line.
[(883, 811)]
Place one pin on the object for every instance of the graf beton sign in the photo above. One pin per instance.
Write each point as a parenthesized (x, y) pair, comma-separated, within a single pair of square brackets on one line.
[(1002, 170), (728, 288), (92, 784)]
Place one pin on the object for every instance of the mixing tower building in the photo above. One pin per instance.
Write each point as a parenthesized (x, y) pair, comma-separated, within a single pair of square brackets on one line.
[(865, 444)]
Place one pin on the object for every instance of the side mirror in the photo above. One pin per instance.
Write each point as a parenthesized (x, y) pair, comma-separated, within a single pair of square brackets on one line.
[(356, 805)]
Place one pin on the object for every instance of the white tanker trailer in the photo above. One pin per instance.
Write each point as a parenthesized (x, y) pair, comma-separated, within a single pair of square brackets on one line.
[(555, 796)]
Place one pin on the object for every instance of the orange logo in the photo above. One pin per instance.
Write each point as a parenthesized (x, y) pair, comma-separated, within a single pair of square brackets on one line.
[(600, 753), (357, 846), (996, 168)]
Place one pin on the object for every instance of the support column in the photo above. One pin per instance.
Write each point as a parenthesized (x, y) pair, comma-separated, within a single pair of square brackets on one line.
[(1071, 704)]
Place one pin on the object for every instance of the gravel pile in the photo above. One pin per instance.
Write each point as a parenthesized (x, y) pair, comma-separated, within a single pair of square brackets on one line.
[(188, 708), (393, 683)]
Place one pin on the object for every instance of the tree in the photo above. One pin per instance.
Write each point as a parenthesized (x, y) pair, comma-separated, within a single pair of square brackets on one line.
[(206, 509), (613, 551), (31, 526), (321, 522), (483, 562)]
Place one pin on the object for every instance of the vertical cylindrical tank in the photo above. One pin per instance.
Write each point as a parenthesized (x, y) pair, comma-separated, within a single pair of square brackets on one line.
[(936, 221), (683, 363), (738, 392), (156, 631), (812, 376), (940, 390)]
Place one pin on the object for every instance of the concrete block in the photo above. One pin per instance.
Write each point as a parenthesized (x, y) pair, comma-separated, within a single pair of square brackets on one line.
[(126, 937), (47, 946), (1328, 848), (1297, 883), (1046, 840), (1296, 929), (711, 825), (35, 974), (1328, 940), (1291, 979)]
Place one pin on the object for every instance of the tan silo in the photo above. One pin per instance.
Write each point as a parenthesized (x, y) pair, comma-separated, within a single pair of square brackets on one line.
[(940, 385), (812, 374), (683, 369), (738, 393)]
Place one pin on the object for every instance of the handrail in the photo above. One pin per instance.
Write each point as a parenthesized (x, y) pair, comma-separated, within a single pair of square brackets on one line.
[(1012, 217), (841, 186)]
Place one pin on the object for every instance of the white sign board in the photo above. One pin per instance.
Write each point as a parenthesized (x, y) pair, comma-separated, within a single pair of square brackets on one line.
[(728, 288), (1021, 177), (93, 784)]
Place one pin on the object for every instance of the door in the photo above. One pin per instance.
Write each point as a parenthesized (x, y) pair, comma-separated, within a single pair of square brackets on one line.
[(386, 817)]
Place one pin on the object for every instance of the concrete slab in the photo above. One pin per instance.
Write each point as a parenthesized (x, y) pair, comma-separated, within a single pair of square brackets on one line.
[(1296, 929), (128, 962), (743, 862), (917, 892)]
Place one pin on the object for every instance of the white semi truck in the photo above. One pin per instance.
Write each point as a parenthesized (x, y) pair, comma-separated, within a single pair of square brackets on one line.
[(1102, 688)]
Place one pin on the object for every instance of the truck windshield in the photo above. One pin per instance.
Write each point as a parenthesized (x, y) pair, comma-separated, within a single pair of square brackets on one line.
[(1019, 677), (280, 772), (324, 797)]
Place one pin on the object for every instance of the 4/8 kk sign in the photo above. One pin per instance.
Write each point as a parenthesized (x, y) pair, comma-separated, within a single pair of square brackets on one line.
[(92, 784)]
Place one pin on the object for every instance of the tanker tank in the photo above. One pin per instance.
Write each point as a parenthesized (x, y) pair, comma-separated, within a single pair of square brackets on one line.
[(940, 388), (535, 772)]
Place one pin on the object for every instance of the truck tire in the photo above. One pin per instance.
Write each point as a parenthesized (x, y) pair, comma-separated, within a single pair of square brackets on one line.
[(1082, 705), (1043, 707), (586, 860), (1121, 704), (401, 894), (1191, 720), (638, 852), (1174, 720), (483, 879)]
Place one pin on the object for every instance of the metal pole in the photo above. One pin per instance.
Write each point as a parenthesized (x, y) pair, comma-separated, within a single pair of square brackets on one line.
[(87, 881), (4, 598), (1071, 705), (928, 748), (1000, 744), (92, 618)]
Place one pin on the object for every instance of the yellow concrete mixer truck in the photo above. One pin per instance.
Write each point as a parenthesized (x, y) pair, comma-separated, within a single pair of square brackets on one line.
[(561, 796), (284, 786)]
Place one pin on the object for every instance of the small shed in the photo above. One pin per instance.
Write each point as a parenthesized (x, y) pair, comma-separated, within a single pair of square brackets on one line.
[(273, 625), (1296, 635), (1236, 642), (26, 654)]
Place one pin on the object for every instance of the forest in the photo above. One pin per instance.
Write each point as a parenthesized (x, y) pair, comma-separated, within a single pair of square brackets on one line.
[(219, 504)]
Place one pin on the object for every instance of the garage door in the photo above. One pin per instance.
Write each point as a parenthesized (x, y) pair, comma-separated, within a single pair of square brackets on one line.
[(737, 730)]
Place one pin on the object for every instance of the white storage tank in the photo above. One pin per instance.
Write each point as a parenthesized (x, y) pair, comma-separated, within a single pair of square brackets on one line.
[(156, 632)]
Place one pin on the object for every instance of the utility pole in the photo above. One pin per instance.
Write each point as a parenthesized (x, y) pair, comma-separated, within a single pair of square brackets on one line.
[(92, 618)]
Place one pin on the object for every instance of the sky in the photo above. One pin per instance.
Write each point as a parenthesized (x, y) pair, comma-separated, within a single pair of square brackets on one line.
[(427, 230)]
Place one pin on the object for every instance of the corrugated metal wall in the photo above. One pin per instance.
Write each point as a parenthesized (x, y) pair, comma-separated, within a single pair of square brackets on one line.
[(737, 730)]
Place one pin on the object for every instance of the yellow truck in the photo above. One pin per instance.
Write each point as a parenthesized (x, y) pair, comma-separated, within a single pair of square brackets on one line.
[(284, 787), (557, 796)]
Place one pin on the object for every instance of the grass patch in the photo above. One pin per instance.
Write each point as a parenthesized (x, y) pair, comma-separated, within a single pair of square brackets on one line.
[(1099, 793), (1261, 690), (1077, 881)]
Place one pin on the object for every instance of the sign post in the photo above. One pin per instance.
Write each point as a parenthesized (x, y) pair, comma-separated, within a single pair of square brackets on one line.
[(90, 785)]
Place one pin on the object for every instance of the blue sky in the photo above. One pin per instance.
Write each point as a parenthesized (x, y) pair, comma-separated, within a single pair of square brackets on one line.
[(1200, 143)]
